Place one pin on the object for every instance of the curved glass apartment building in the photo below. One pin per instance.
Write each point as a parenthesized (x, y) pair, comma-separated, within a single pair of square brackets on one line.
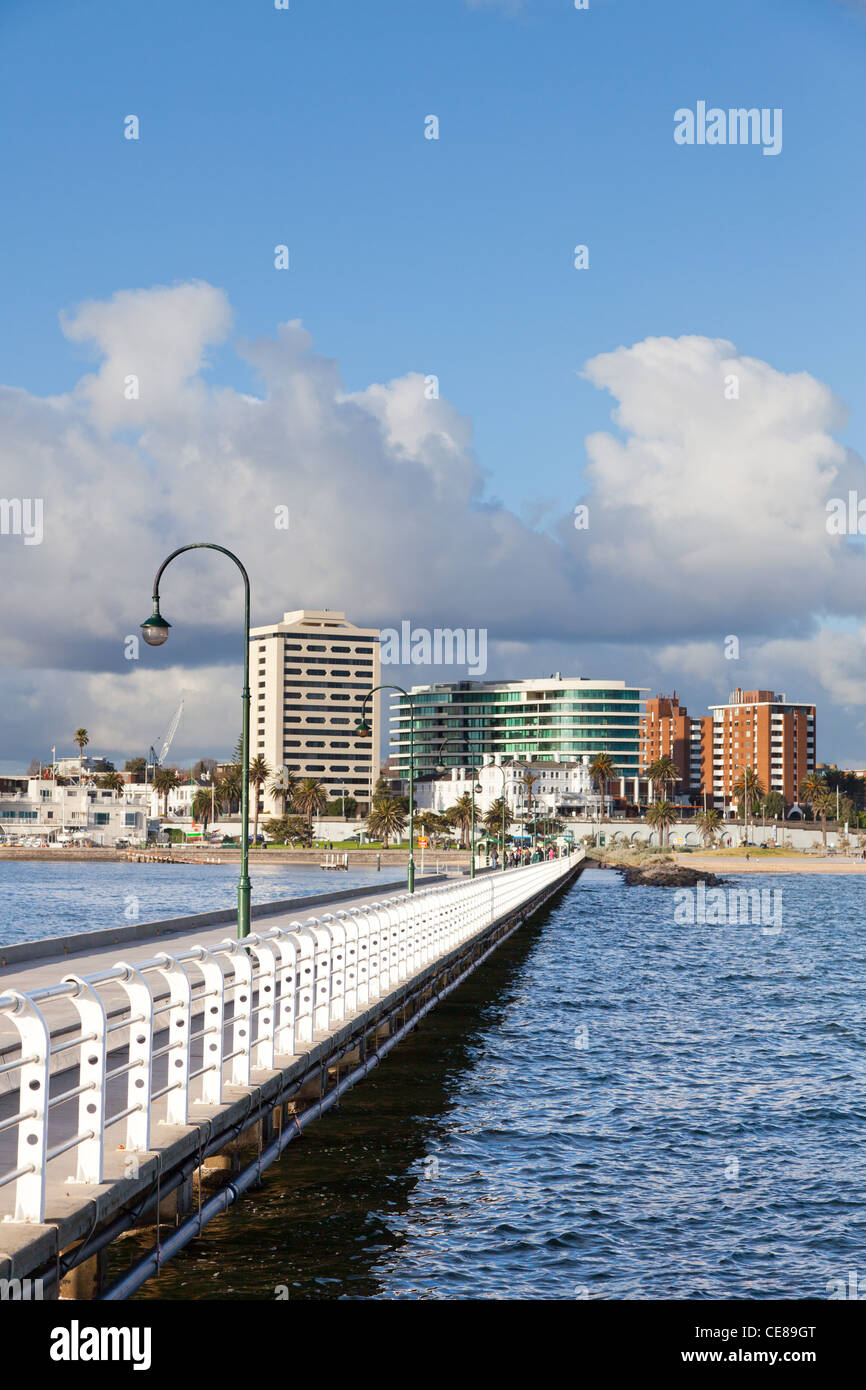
[(552, 720)]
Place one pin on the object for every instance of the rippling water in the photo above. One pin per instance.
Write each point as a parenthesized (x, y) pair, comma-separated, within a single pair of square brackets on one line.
[(706, 1143), (42, 898)]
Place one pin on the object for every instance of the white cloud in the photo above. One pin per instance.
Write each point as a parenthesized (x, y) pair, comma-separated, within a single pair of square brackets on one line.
[(707, 517)]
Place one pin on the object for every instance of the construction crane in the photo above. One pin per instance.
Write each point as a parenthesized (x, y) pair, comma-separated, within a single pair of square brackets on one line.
[(155, 761)]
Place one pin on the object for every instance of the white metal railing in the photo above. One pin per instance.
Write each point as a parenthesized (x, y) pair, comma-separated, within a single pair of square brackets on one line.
[(215, 1013)]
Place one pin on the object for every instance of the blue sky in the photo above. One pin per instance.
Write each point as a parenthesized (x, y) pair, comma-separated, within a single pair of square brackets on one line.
[(452, 257)]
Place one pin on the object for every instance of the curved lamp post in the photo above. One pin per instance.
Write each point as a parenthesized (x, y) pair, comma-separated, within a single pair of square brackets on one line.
[(363, 730), (440, 767), (155, 630)]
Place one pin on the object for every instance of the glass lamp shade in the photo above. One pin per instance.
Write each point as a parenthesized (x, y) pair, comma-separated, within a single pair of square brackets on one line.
[(362, 729), (155, 629)]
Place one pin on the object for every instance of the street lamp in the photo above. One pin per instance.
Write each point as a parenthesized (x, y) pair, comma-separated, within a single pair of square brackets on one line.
[(363, 730), (440, 767), (155, 630)]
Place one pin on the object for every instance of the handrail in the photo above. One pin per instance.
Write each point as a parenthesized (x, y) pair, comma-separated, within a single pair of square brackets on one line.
[(307, 978)]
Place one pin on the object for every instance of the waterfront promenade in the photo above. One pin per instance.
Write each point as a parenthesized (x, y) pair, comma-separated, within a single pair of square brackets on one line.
[(153, 1062)]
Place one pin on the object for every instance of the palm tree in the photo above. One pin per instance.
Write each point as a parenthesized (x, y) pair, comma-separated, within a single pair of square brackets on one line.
[(748, 790), (110, 782), (460, 815), (282, 787), (165, 780), (201, 807), (492, 819), (227, 791), (662, 815), (259, 773), (310, 798), (708, 823), (603, 769), (386, 820), (82, 738), (662, 772), (823, 805), (812, 786)]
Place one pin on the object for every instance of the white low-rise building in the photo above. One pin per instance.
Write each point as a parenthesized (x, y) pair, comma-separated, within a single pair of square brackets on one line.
[(558, 789), (42, 808)]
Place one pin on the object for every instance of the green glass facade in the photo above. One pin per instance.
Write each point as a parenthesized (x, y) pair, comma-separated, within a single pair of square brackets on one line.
[(519, 719)]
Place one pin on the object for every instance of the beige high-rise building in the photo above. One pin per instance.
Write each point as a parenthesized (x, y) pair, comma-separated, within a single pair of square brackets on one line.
[(308, 678)]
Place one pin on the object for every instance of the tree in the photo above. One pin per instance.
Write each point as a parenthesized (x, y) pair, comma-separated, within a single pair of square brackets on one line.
[(137, 767), (430, 824), (662, 815), (774, 806), (164, 781), (749, 791), (386, 820), (205, 767), (812, 786), (337, 806), (202, 807), (823, 805), (82, 738), (310, 798), (662, 773), (259, 773), (603, 769), (282, 787), (110, 782), (227, 791), (708, 823), (460, 814), (492, 819), (287, 830)]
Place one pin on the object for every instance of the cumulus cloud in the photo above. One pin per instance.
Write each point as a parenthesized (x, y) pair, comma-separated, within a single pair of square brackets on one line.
[(707, 517), (705, 505)]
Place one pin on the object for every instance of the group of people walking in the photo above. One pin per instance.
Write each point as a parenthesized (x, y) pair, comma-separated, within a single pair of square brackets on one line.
[(516, 858)]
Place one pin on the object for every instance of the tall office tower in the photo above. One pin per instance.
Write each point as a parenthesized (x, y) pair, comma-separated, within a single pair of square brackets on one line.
[(309, 675)]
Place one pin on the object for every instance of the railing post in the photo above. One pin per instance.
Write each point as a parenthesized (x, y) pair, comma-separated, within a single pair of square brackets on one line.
[(242, 1010), (213, 1024), (266, 1013), (290, 951), (33, 1100), (91, 1076), (177, 1055), (306, 983), (139, 1081)]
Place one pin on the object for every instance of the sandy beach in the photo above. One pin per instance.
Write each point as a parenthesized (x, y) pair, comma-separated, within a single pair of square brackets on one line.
[(772, 864)]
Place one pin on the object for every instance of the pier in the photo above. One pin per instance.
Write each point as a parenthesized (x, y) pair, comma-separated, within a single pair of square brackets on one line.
[(150, 1075)]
